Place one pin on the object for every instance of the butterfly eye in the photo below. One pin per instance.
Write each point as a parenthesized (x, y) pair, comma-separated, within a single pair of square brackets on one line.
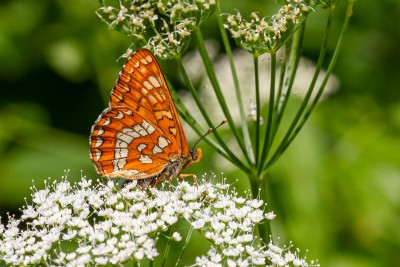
[(196, 154)]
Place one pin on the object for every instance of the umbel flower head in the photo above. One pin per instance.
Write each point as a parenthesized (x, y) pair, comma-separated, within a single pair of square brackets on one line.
[(85, 224), (164, 27), (263, 35)]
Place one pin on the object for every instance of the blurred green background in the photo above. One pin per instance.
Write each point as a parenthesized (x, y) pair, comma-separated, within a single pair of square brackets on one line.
[(336, 191)]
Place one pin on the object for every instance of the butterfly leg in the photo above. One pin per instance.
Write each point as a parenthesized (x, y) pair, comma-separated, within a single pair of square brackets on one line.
[(183, 176), (146, 183)]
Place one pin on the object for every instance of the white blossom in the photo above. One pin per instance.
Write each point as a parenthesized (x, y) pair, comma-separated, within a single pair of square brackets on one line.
[(164, 28), (261, 35), (111, 225)]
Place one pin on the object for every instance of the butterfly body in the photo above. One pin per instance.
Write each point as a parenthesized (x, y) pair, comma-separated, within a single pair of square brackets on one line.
[(139, 136)]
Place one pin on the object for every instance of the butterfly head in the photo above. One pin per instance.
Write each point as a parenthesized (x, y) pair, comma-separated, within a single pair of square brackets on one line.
[(195, 154)]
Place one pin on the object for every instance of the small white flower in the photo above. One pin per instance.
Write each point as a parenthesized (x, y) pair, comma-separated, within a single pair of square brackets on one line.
[(120, 206), (71, 256), (198, 224), (176, 236), (84, 249), (270, 216), (255, 203), (101, 260)]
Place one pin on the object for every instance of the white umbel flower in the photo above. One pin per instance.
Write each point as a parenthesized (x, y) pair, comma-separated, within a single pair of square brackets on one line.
[(106, 225)]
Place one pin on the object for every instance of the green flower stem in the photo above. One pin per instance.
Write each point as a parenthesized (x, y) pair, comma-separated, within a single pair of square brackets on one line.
[(258, 109), (282, 88), (332, 64), (243, 120), (168, 246), (218, 92), (189, 235), (259, 189), (299, 121), (289, 70), (270, 121), (231, 156), (288, 74)]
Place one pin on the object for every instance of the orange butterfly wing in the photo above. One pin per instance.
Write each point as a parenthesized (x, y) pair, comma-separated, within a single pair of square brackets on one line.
[(140, 132)]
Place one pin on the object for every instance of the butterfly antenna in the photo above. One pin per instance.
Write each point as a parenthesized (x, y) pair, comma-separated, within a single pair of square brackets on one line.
[(209, 131)]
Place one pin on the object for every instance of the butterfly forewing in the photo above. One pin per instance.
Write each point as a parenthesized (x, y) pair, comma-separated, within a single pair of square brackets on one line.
[(141, 87), (140, 133)]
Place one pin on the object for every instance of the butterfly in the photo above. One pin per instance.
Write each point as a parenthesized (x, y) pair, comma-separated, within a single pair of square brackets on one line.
[(139, 135)]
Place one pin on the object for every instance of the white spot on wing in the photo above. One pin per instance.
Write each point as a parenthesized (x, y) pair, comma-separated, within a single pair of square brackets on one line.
[(145, 159), (121, 153), (127, 135), (120, 115), (140, 130), (97, 153), (125, 78), (107, 122), (121, 144), (125, 88), (157, 150), (99, 141), (149, 58), (148, 85), (154, 81), (129, 112), (147, 126), (100, 131), (141, 147), (119, 164), (162, 142), (144, 91), (152, 100), (128, 69)]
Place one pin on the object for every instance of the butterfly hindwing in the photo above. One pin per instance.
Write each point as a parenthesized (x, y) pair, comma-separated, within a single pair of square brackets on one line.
[(125, 144)]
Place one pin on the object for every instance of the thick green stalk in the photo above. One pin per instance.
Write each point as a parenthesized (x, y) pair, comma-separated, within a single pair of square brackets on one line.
[(270, 120), (258, 189), (243, 117), (218, 92), (258, 109), (203, 111)]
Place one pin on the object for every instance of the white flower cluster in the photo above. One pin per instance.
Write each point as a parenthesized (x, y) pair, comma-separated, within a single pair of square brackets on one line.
[(259, 36), (162, 26), (83, 224)]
